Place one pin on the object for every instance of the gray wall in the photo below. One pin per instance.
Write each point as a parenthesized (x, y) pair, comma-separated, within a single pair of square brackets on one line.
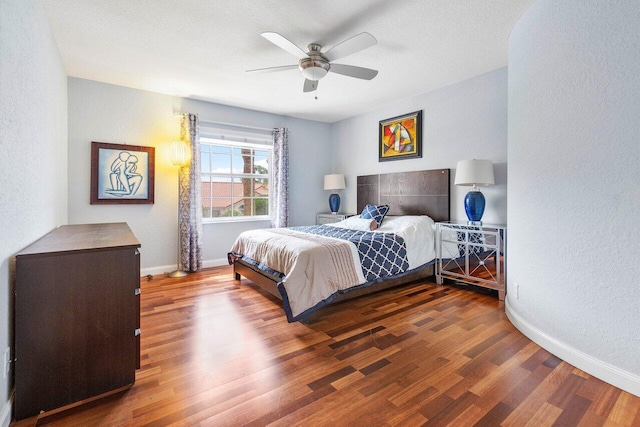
[(466, 120), (108, 113), (574, 192), (463, 121), (33, 142)]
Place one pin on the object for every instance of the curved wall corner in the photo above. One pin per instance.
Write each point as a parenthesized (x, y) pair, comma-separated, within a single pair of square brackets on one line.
[(574, 184)]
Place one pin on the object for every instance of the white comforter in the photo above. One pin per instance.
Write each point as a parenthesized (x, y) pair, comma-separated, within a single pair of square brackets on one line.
[(418, 233)]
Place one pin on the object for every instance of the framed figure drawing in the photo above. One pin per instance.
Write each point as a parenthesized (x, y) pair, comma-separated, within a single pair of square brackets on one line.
[(122, 174), (400, 137)]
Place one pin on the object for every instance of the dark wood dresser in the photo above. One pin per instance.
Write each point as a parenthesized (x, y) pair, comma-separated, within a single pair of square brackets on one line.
[(77, 317)]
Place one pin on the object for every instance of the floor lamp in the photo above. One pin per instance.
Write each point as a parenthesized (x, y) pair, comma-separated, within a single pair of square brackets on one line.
[(179, 157)]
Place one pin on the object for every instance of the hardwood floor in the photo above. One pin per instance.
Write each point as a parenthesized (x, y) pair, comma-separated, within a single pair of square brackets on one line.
[(219, 353)]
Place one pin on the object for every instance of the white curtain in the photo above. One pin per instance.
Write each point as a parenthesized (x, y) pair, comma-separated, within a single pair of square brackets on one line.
[(279, 199), (190, 199)]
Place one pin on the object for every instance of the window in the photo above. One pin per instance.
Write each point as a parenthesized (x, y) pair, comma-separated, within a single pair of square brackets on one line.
[(235, 178)]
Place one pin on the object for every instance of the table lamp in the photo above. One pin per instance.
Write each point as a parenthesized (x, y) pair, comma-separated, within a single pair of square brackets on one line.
[(334, 182), (474, 173)]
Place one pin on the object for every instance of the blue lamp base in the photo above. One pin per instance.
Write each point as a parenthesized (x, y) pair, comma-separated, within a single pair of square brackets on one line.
[(474, 203), (334, 203)]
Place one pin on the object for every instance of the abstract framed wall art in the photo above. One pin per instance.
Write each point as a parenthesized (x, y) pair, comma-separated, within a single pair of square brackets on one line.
[(122, 174), (401, 137)]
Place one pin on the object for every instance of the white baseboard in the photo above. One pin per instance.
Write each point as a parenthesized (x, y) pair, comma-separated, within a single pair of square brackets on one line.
[(215, 263), (163, 269), (606, 372), (5, 415)]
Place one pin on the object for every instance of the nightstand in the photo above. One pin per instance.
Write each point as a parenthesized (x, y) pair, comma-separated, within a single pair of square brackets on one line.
[(328, 218), (472, 254)]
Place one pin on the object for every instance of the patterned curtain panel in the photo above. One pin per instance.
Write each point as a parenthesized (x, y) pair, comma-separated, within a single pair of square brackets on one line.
[(279, 200), (189, 199)]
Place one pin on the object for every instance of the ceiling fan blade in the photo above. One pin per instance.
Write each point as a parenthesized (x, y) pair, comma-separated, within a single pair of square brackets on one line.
[(285, 44), (273, 69), (354, 44), (353, 71), (310, 85)]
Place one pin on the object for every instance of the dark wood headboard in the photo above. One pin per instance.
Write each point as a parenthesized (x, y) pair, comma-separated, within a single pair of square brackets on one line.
[(408, 193)]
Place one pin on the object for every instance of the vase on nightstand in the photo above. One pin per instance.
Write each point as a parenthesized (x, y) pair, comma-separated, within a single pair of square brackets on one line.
[(334, 203)]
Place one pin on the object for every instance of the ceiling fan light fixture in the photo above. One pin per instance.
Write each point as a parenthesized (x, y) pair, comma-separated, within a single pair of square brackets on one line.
[(313, 69), (314, 64)]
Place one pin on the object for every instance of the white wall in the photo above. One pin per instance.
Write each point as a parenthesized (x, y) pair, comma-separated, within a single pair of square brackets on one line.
[(574, 192), (33, 141), (115, 114), (466, 120)]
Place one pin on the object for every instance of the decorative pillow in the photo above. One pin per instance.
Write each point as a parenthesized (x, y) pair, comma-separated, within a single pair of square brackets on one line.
[(358, 223), (375, 212)]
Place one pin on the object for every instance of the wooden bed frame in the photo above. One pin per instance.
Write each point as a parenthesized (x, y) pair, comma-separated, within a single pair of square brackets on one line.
[(407, 193)]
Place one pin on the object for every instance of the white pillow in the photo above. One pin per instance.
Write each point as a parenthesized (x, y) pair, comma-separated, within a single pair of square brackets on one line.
[(418, 233), (404, 223), (355, 223)]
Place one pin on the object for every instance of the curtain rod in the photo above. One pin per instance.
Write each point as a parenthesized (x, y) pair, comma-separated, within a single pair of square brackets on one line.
[(233, 125)]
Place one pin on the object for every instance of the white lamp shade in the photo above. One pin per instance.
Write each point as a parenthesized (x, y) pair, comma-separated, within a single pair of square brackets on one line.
[(313, 73), (180, 153), (474, 172), (334, 182)]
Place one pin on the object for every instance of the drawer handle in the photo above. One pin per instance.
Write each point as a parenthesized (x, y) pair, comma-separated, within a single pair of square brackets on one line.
[(137, 291), (137, 332)]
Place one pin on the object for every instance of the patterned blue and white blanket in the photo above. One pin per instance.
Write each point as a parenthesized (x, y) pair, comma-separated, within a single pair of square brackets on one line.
[(381, 254)]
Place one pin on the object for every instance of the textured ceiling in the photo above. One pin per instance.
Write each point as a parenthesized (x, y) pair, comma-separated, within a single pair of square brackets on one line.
[(201, 48)]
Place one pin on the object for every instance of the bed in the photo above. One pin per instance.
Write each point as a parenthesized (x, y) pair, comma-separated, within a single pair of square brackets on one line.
[(304, 253)]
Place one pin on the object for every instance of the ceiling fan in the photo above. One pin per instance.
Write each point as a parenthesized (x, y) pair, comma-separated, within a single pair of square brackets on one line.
[(315, 64)]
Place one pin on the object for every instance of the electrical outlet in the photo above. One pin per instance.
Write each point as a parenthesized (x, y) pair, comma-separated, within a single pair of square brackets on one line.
[(7, 362)]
